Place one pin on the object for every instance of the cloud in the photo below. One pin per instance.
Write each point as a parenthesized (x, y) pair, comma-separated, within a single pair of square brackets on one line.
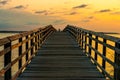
[(59, 21), (87, 20), (4, 2), (80, 6), (73, 13), (42, 12), (90, 17), (104, 10), (19, 7), (14, 20), (115, 13)]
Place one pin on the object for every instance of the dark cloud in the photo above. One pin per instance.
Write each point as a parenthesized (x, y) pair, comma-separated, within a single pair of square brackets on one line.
[(104, 10), (90, 17), (19, 7), (4, 2), (73, 13), (42, 12), (80, 6)]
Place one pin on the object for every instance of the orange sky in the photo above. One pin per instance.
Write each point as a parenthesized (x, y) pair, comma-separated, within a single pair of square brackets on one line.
[(99, 15)]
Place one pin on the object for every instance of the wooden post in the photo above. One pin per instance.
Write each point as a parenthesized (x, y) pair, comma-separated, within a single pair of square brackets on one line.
[(31, 44), (27, 45), (104, 54), (85, 41), (90, 43), (36, 44), (20, 53), (96, 47), (82, 39), (39, 39), (78, 35), (7, 60), (117, 62)]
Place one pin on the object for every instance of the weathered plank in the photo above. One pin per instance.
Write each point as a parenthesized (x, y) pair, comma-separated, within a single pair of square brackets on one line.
[(60, 58)]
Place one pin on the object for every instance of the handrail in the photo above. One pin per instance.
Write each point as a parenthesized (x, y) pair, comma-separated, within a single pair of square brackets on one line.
[(85, 40), (33, 41)]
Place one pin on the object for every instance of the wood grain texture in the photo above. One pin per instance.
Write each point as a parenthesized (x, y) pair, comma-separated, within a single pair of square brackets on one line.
[(60, 58)]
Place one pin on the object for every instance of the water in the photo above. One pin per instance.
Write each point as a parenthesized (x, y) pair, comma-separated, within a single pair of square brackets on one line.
[(114, 35), (3, 35)]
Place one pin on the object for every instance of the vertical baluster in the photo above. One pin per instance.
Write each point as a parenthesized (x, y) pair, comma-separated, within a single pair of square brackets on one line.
[(27, 46), (7, 60), (41, 36), (85, 41), (78, 35), (31, 44), (96, 47), (104, 53), (77, 31), (90, 44), (20, 53), (117, 62), (39, 39), (36, 44), (82, 39)]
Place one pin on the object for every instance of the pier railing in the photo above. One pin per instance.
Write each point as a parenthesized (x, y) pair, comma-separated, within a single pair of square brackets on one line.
[(32, 41), (98, 47)]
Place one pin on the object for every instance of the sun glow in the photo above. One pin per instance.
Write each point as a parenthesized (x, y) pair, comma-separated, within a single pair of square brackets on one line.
[(95, 13)]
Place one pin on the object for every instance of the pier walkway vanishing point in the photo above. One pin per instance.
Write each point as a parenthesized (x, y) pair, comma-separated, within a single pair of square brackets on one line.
[(60, 55)]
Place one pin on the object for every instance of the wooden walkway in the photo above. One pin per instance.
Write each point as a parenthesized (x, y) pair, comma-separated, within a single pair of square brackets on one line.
[(60, 58)]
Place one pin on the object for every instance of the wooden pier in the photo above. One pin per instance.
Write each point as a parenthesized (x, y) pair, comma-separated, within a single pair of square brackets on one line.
[(55, 55)]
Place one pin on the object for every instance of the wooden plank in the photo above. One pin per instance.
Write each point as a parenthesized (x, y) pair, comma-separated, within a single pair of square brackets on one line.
[(33, 78), (60, 58)]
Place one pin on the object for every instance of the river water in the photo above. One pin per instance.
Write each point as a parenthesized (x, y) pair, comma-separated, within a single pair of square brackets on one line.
[(110, 54)]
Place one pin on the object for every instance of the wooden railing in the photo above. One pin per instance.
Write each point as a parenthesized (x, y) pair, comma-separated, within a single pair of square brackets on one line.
[(91, 41), (32, 41)]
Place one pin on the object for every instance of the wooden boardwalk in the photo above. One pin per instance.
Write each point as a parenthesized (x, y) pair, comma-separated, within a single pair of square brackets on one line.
[(60, 58)]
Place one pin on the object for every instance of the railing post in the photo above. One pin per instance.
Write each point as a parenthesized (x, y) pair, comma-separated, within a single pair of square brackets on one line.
[(20, 53), (96, 47), (85, 41), (82, 39), (36, 41), (104, 53), (78, 35), (117, 61), (90, 43), (31, 43), (7, 60), (27, 45), (39, 39)]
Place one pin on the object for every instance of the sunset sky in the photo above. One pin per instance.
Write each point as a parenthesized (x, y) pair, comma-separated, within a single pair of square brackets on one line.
[(97, 15)]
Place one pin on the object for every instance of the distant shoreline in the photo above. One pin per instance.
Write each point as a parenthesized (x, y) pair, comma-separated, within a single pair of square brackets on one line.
[(11, 31), (109, 32)]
